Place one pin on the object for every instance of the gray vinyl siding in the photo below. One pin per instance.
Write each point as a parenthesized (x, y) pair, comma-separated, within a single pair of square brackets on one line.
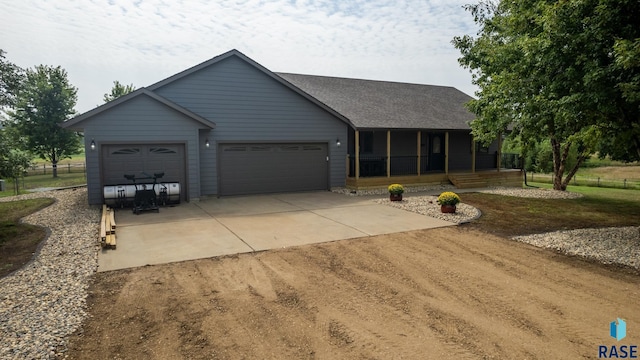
[(141, 120), (489, 159), (404, 143), (249, 106), (459, 151)]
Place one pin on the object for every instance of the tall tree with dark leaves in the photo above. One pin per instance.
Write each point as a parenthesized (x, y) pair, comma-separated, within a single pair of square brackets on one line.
[(554, 70), (44, 102), (11, 77), (118, 90)]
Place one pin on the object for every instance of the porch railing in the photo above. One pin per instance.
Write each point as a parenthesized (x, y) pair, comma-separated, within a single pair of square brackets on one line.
[(404, 165), (511, 161)]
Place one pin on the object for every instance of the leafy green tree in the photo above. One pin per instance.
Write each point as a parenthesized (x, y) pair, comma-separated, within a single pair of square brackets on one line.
[(625, 144), (118, 90), (11, 77), (14, 165), (550, 70), (44, 102)]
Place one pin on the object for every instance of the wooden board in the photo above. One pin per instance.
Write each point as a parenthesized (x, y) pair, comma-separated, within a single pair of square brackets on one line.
[(112, 219), (102, 237), (107, 235)]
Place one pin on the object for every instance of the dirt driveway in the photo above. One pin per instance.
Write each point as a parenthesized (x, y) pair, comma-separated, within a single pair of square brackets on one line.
[(441, 293)]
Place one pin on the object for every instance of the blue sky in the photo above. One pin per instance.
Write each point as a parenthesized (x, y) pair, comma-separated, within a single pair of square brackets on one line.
[(142, 42)]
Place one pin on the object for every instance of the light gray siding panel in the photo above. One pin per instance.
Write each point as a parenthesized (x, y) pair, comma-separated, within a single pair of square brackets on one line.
[(249, 106), (207, 163), (141, 120)]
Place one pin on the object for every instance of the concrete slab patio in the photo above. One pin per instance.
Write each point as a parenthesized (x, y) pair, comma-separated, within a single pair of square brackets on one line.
[(225, 226)]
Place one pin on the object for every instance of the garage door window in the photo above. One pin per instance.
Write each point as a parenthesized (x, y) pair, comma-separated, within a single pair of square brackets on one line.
[(126, 151), (162, 151)]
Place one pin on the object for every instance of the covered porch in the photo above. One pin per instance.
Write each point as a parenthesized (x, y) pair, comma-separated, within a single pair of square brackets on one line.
[(379, 157)]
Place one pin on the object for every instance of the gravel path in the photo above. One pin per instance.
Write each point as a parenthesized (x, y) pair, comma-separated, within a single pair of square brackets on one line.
[(44, 301)]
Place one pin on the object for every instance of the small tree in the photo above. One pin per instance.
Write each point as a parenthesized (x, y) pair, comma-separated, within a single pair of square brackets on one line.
[(13, 165), (118, 90), (44, 102)]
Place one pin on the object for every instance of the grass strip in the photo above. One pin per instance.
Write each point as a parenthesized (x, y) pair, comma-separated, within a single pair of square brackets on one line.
[(18, 241)]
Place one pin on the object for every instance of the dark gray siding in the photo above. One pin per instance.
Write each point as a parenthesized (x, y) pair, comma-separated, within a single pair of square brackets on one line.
[(487, 158), (459, 151), (249, 106), (404, 143), (141, 120)]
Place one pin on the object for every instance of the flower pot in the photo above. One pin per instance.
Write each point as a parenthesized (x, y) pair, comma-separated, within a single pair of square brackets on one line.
[(395, 197), (448, 209)]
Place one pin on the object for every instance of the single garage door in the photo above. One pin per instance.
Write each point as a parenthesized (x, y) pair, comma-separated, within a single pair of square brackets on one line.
[(271, 168), (135, 159)]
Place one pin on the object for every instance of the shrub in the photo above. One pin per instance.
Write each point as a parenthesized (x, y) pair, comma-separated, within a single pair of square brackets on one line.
[(448, 198), (395, 189)]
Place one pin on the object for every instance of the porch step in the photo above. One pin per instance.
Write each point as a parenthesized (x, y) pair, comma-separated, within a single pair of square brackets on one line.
[(467, 181)]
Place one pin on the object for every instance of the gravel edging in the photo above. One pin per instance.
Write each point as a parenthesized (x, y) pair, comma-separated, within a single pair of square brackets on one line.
[(428, 205), (45, 301), (536, 193), (617, 245)]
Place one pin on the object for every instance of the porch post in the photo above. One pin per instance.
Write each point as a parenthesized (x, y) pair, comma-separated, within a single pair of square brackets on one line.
[(357, 162), (499, 151), (388, 153), (446, 152), (473, 154), (418, 151)]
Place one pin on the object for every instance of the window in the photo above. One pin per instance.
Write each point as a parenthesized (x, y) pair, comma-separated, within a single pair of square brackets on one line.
[(436, 145), (155, 150), (126, 151)]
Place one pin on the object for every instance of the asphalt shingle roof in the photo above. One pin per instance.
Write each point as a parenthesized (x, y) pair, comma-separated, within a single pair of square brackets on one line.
[(388, 105)]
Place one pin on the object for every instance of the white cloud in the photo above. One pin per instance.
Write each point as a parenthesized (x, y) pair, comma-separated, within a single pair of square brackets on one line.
[(142, 41)]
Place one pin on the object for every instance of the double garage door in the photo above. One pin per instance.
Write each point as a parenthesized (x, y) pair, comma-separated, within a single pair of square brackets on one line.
[(272, 168), (138, 159)]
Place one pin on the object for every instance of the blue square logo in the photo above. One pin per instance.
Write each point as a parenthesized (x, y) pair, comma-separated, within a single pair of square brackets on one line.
[(618, 329)]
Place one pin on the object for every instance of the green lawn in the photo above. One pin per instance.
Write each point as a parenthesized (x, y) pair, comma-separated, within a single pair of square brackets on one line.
[(512, 216), (598, 192), (75, 159), (18, 241), (44, 181), (613, 177)]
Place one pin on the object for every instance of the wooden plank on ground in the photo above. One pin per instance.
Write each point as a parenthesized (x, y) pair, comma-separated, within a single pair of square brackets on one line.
[(103, 229), (113, 240), (112, 218)]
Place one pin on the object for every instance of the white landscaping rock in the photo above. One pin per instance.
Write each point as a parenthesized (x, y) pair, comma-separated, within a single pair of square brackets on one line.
[(44, 302)]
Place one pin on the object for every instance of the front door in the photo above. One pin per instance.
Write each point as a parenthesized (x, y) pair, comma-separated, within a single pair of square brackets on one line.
[(436, 152)]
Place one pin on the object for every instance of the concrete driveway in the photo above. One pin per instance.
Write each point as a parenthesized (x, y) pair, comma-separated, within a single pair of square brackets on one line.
[(242, 224)]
